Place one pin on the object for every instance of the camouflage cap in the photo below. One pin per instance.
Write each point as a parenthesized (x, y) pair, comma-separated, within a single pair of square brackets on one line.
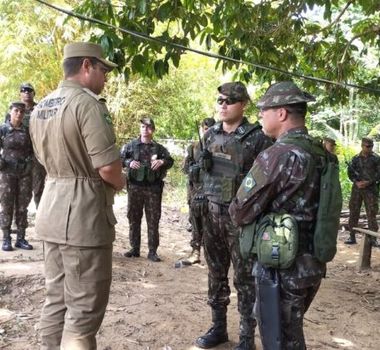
[(367, 141), (148, 122), (235, 89), (282, 94), (17, 104), (209, 122), (86, 50), (329, 140), (26, 86)]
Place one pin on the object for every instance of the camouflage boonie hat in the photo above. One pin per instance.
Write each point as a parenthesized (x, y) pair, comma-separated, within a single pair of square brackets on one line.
[(235, 89), (367, 141), (282, 94), (148, 122), (17, 104)]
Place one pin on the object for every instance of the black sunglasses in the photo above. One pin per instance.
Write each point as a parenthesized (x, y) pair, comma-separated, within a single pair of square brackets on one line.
[(228, 101), (27, 90), (368, 146)]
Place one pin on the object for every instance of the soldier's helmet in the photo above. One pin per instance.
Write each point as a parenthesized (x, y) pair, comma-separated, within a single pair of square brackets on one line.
[(282, 94)]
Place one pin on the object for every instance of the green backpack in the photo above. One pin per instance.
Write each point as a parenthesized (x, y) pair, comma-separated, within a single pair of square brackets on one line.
[(330, 198)]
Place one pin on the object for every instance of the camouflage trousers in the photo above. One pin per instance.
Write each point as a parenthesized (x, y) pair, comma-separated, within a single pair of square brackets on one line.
[(198, 215), (370, 198), (78, 281), (294, 304), (38, 175), (15, 196), (221, 247), (140, 198)]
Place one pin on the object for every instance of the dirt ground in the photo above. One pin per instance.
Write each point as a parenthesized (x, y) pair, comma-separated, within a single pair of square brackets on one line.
[(156, 306)]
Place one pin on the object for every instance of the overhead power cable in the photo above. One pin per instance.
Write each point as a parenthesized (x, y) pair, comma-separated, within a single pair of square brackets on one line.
[(205, 53)]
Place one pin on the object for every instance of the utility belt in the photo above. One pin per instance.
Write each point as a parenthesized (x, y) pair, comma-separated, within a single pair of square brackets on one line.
[(218, 209)]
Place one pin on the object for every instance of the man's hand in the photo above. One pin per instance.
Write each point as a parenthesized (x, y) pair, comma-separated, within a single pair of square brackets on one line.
[(156, 164), (135, 164)]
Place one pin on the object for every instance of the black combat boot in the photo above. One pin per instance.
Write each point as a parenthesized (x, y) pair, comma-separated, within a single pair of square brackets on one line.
[(152, 256), (7, 241), (217, 334), (132, 253), (351, 239), (21, 242), (247, 334)]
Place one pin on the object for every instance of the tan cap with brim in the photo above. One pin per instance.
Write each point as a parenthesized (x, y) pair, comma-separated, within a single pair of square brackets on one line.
[(86, 50)]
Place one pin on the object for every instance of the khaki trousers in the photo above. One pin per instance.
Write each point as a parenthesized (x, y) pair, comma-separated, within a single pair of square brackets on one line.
[(78, 281)]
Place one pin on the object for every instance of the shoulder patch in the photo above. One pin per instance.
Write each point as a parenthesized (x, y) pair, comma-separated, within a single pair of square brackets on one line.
[(249, 183)]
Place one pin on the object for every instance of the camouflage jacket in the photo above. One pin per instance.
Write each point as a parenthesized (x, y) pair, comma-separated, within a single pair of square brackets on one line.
[(16, 148), (282, 180), (232, 156), (365, 168), (145, 153)]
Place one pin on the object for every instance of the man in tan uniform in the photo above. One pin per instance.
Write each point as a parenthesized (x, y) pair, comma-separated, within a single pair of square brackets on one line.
[(73, 138)]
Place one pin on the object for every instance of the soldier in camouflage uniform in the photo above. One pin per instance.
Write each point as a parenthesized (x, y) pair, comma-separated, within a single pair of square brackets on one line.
[(146, 162), (27, 94), (231, 146), (329, 145), (15, 177), (281, 181), (196, 199), (364, 172)]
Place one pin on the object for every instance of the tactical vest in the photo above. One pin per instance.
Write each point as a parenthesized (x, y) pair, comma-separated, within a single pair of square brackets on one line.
[(226, 175), (145, 172)]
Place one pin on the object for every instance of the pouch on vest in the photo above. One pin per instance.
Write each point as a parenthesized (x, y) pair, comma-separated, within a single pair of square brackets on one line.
[(137, 174), (150, 174), (276, 240), (228, 189), (273, 238), (247, 240)]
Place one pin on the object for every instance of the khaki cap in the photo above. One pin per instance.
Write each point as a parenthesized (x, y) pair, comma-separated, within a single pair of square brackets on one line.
[(86, 50)]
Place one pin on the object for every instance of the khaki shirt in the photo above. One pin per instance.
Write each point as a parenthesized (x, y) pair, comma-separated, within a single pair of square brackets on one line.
[(72, 136)]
